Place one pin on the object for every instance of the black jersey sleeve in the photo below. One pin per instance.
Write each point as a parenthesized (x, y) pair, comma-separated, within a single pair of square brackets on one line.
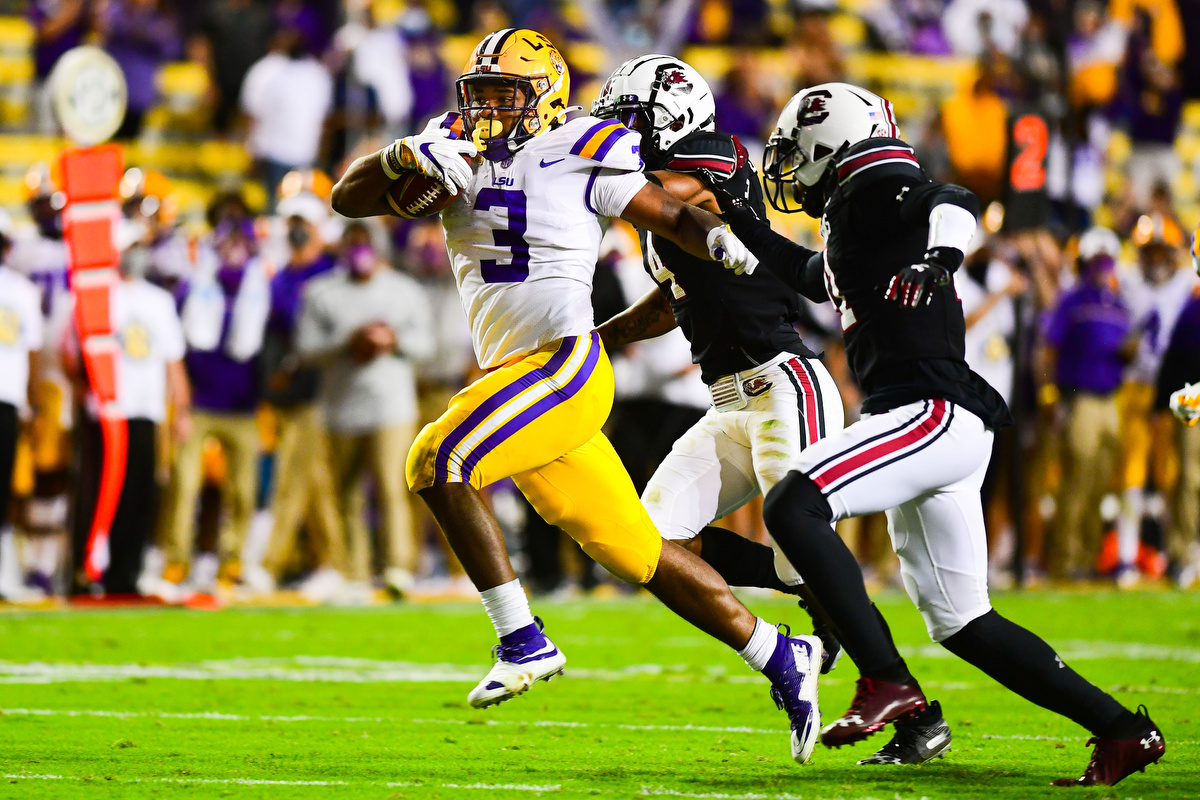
[(923, 198), (797, 266)]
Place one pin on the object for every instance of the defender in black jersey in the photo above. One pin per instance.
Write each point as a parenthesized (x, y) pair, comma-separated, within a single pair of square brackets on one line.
[(893, 239), (772, 397)]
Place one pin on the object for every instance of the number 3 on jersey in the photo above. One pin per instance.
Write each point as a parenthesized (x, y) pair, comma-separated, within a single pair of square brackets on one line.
[(512, 237)]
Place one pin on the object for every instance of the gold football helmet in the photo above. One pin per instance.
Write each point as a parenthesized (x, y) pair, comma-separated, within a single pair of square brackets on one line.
[(525, 62)]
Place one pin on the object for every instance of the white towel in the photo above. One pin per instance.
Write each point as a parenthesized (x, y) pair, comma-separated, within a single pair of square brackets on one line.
[(204, 309)]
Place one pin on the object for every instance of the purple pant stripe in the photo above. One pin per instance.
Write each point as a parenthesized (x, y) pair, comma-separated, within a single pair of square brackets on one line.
[(489, 406), (534, 411)]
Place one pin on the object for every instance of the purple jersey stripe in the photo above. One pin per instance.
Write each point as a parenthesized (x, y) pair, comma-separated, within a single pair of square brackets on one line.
[(476, 417), (587, 137), (536, 410), (587, 191), (609, 141)]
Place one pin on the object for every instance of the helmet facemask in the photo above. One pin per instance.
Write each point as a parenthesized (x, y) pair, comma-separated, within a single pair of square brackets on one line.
[(478, 106), (796, 180), (647, 121)]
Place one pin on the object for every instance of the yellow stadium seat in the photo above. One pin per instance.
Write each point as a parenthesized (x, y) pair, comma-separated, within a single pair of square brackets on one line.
[(848, 30), (457, 49), (16, 35), (216, 158), (1191, 115), (182, 85), (18, 152)]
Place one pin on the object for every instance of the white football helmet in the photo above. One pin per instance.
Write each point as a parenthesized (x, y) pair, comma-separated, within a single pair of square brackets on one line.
[(662, 97), (815, 127)]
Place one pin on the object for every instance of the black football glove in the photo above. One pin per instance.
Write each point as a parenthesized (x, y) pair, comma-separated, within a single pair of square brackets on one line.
[(913, 286)]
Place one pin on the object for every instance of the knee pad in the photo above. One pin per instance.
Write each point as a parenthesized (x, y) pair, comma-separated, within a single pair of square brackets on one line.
[(795, 495), (419, 468), (629, 563)]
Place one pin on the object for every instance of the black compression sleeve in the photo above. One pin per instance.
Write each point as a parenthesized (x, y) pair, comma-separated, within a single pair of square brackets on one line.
[(784, 258)]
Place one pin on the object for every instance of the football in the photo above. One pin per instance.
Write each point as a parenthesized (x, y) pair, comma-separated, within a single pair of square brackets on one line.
[(414, 195)]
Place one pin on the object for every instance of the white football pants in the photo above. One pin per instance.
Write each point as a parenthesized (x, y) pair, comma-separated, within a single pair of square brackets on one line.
[(923, 464), (730, 457)]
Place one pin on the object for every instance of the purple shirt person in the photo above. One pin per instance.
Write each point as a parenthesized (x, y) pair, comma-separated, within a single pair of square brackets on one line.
[(60, 25), (221, 383), (287, 290), (1088, 329), (141, 36)]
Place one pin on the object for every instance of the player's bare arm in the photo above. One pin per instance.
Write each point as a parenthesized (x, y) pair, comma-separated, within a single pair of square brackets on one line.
[(651, 316), (656, 210), (687, 188), (360, 192), (648, 318)]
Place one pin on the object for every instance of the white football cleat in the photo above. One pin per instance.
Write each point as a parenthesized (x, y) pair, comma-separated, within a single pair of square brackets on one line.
[(517, 667)]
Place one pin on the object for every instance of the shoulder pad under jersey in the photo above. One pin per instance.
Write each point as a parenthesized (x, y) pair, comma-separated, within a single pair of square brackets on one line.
[(872, 159), (717, 154), (606, 142)]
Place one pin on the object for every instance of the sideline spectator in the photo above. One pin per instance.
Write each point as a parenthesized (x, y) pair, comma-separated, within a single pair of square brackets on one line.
[(142, 36), (58, 26), (235, 36), (1087, 345), (303, 481), (20, 347), (742, 108), (973, 27), (224, 317), (1156, 291), (367, 325), (150, 373), (287, 94), (1181, 366)]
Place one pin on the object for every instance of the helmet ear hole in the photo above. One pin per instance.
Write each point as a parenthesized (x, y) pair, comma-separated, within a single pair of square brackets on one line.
[(821, 151)]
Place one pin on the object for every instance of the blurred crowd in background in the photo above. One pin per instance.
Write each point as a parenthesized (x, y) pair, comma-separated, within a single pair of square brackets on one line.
[(278, 360)]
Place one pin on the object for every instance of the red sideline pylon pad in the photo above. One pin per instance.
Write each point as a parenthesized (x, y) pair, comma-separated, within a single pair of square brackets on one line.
[(92, 174)]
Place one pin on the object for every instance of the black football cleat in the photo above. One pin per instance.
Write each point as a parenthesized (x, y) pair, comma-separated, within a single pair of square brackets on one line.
[(922, 738), (875, 704), (831, 648), (1113, 760)]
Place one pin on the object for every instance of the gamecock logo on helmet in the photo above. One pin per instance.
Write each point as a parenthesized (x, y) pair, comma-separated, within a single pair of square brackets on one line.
[(813, 110), (674, 80)]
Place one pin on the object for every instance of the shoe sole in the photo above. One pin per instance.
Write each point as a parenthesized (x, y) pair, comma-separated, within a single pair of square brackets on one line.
[(802, 750), (939, 751), (495, 700), (868, 732)]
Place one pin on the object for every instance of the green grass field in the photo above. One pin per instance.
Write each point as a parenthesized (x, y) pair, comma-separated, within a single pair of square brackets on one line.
[(371, 703)]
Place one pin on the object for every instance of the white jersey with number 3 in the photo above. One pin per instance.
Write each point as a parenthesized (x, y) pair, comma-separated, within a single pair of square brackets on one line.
[(524, 237)]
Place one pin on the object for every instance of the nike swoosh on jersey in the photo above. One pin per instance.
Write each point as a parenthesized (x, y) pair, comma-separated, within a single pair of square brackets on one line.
[(546, 163)]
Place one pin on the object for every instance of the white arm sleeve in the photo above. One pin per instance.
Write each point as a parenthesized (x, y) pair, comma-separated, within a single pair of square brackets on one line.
[(611, 190), (951, 226)]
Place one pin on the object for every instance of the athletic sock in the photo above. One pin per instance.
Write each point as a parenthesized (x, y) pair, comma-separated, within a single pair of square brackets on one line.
[(800, 520), (1025, 664), (507, 607), (762, 646), (740, 561)]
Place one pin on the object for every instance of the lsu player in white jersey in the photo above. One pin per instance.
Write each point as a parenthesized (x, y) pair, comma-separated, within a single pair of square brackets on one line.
[(523, 234)]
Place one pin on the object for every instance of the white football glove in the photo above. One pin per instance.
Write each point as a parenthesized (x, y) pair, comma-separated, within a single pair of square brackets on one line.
[(726, 247), (1185, 404), (439, 157)]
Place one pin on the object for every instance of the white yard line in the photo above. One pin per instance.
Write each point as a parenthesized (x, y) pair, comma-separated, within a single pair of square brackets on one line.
[(332, 669), (216, 716), (644, 791), (220, 716)]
